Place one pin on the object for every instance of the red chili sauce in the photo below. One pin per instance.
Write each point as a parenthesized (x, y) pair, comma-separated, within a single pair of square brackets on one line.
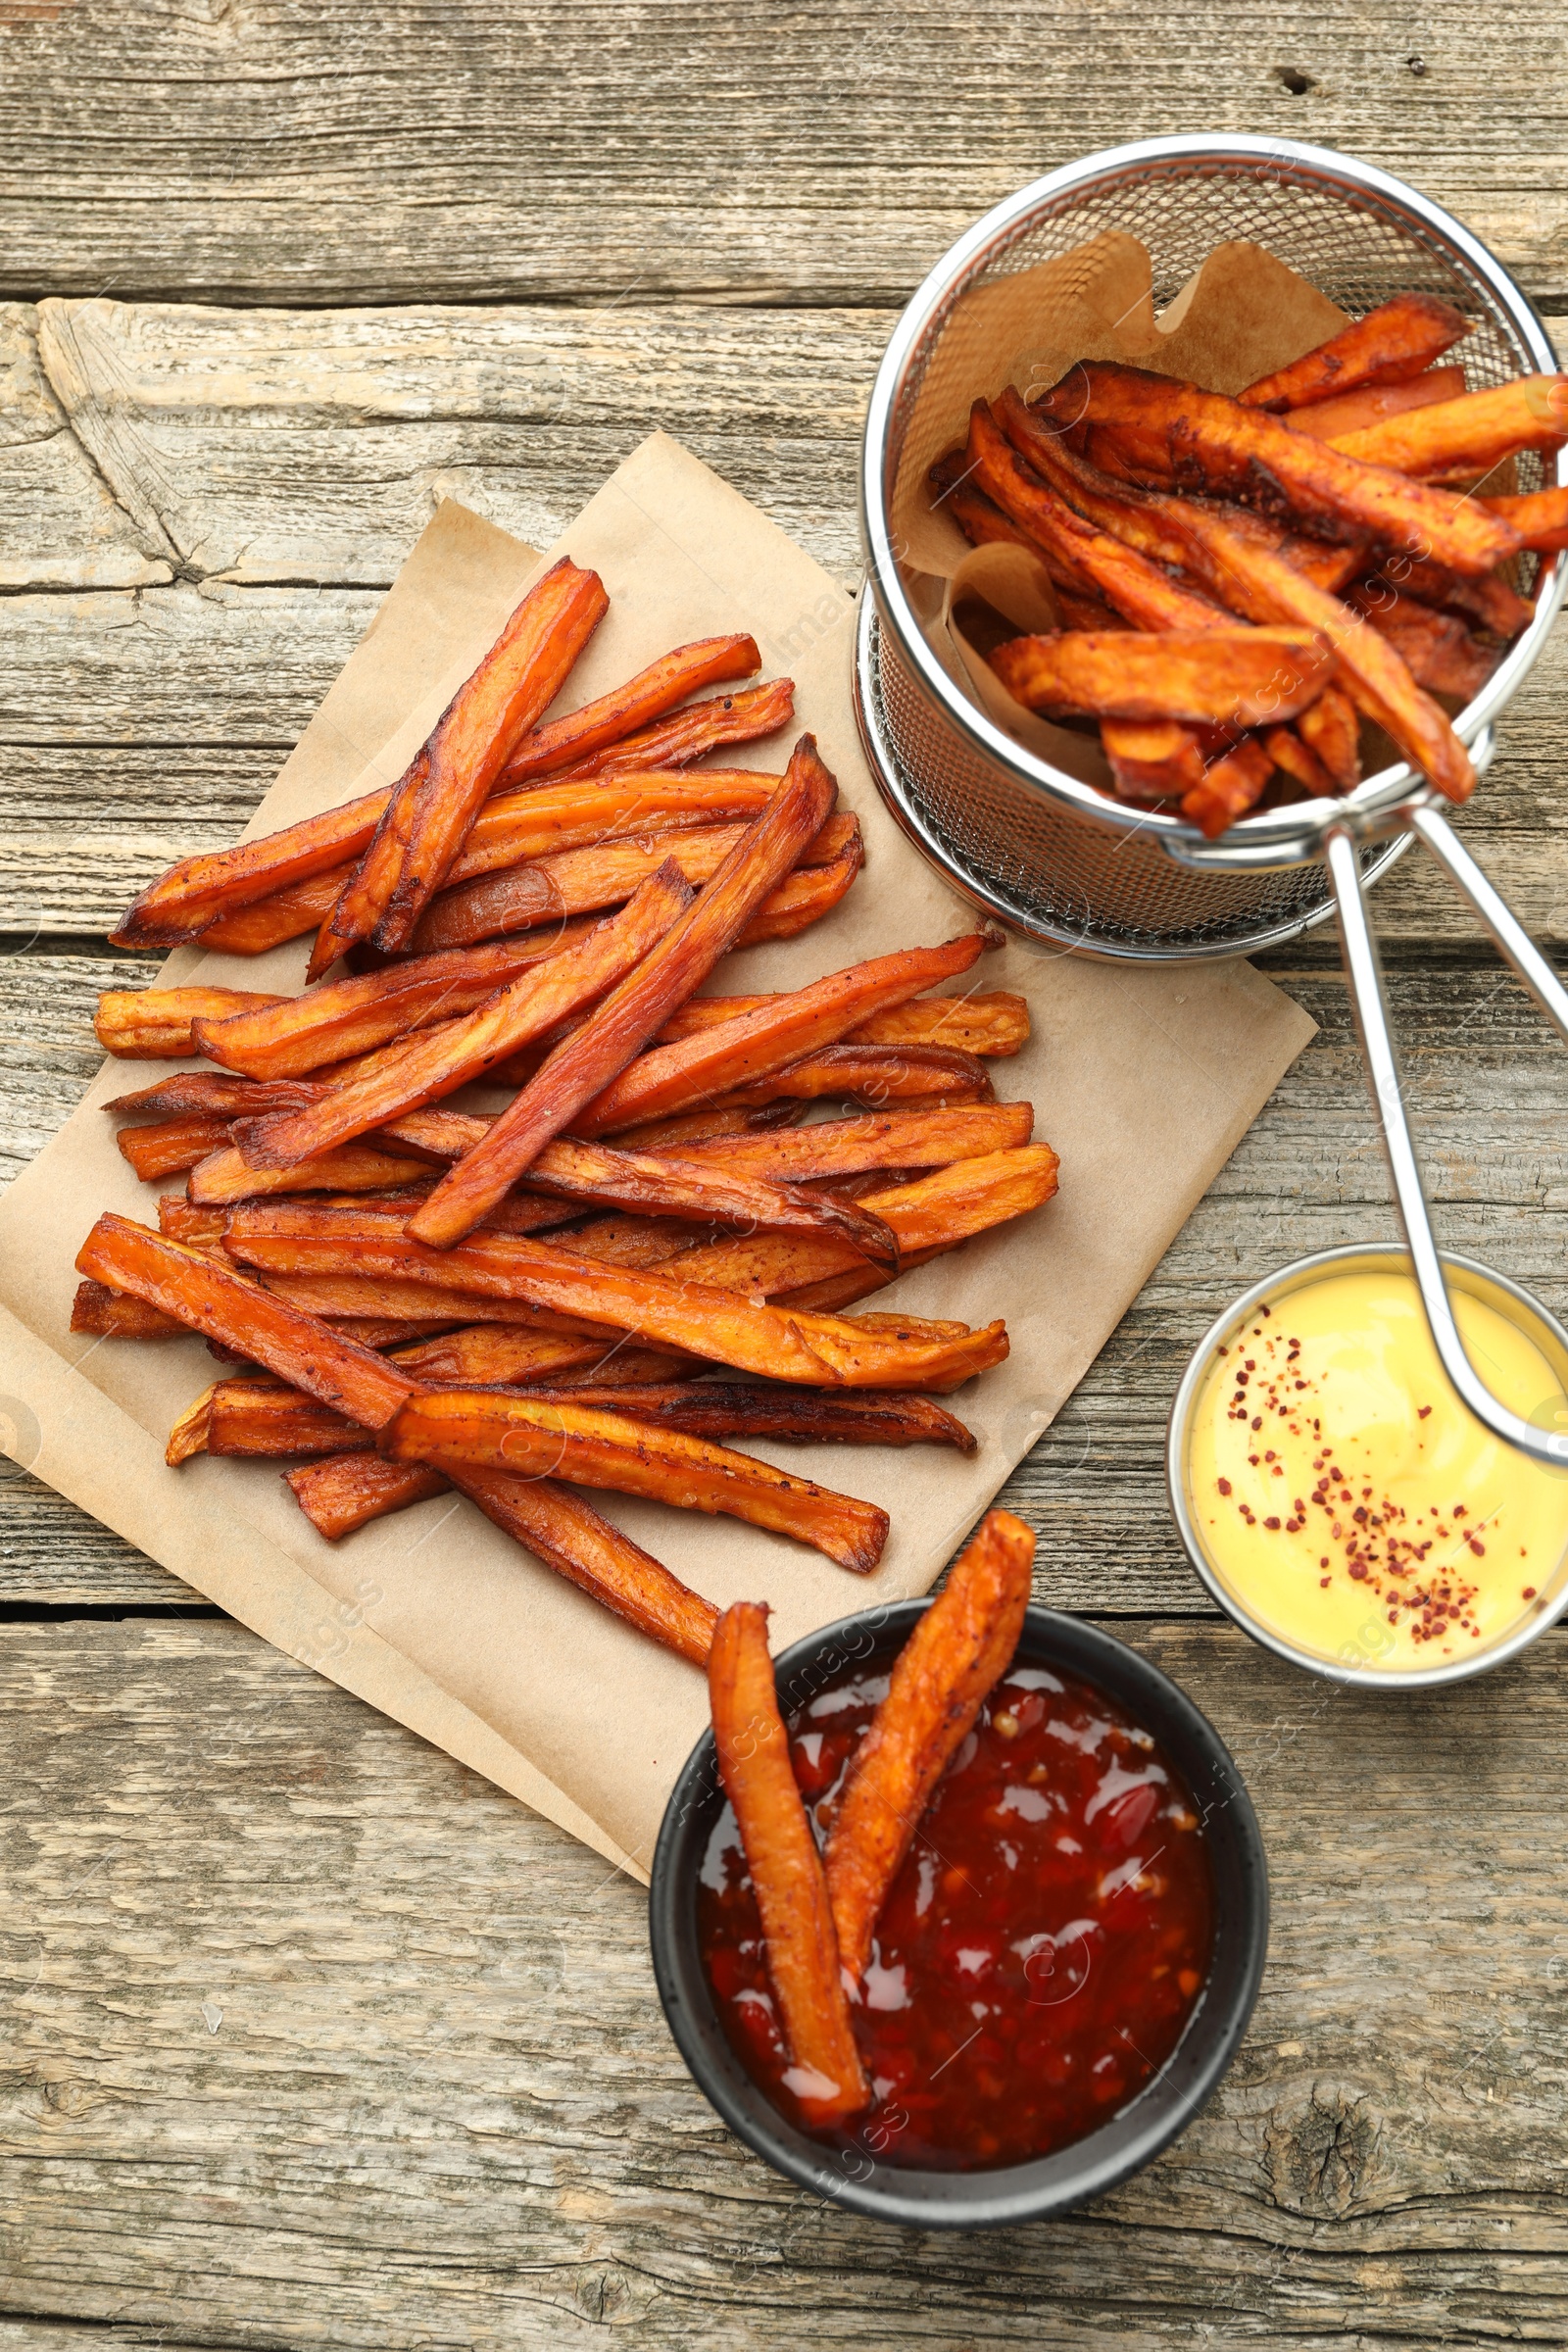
[(1040, 1949)]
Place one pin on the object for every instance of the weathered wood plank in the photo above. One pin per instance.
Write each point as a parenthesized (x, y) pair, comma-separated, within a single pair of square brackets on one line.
[(1487, 1082), (231, 150), (314, 2037), (64, 527)]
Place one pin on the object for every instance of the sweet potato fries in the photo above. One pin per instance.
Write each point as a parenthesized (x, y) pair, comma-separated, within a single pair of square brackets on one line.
[(632, 1257)]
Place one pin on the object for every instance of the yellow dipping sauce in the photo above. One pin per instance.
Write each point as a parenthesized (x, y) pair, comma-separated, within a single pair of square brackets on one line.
[(1348, 1500)]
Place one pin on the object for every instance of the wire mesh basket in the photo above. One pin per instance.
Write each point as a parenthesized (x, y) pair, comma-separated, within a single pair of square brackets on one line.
[(1042, 850)]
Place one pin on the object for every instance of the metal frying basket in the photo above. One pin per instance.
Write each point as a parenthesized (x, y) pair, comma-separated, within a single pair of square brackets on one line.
[(1060, 861)]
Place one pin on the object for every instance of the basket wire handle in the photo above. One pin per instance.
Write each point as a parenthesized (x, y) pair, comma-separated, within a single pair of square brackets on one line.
[(1364, 971)]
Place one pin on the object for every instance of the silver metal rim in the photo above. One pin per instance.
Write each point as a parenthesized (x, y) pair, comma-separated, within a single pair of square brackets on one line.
[(1281, 836), (992, 899), (1295, 1277)]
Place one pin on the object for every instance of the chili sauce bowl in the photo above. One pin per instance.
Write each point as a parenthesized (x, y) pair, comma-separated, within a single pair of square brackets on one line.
[(1389, 1495), (859, 2173)]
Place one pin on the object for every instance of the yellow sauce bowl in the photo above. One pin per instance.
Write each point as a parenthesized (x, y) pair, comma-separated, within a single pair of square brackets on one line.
[(1336, 1499)]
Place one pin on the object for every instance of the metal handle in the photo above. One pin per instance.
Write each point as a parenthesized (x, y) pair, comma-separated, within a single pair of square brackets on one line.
[(1515, 942), (1364, 973)]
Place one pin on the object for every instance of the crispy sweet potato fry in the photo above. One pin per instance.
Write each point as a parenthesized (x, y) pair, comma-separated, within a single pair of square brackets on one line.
[(1352, 411), (941, 1679), (480, 1429), (893, 1139), (435, 801), (1158, 430), (721, 1408), (645, 1181), (287, 914), (292, 1241), (875, 1075), (487, 1354), (154, 1024), (1437, 647), (1138, 590), (405, 1077), (340, 1298), (268, 1420), (936, 1212), (349, 1490), (189, 1433), (1152, 759), (993, 1024), (224, 1176), (1230, 786), (686, 734), (224, 1305), (538, 821), (786, 1870), (170, 1145), (586, 1063), (1332, 733), (582, 881), (1490, 600), (1386, 346), (1246, 679), (213, 1094), (710, 1061), (106, 1314), (566, 1533), (286, 1037), (193, 894), (600, 724), (1539, 517), (1466, 435)]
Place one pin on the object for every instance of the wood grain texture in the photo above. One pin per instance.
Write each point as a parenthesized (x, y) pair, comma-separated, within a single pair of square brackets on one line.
[(265, 151), (314, 2038)]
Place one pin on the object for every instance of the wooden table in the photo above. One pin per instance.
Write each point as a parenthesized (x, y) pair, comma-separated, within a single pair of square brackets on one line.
[(310, 2036)]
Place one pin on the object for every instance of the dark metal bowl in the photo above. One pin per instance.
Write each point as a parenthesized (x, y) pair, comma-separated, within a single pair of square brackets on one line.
[(1049, 2184)]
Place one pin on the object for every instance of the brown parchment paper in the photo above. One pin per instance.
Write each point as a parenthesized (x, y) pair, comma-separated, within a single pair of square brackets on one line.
[(1143, 1079), (1240, 315)]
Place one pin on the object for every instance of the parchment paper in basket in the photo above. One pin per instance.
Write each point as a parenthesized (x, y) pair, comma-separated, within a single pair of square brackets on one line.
[(1145, 1082)]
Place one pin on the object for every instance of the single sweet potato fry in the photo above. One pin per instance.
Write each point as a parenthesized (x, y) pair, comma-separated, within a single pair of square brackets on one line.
[(268, 1420), (285, 914), (405, 1077), (1466, 435), (786, 1869), (875, 1075), (479, 1428), (707, 1063), (286, 1037), (893, 1139), (1152, 759), (540, 821), (487, 1354), (587, 1061), (170, 1145), (992, 1024), (1386, 346), (440, 792), (1538, 516), (708, 661), (107, 1314), (154, 1024), (290, 1240), (215, 1094), (686, 734), (188, 1435), (224, 1176), (1332, 733), (941, 1679), (349, 1490), (1230, 785), (224, 1305), (1352, 411), (1160, 431), (193, 894), (564, 1531), (646, 1181), (723, 1408), (1249, 678), (340, 1298), (1140, 591), (1437, 647)]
